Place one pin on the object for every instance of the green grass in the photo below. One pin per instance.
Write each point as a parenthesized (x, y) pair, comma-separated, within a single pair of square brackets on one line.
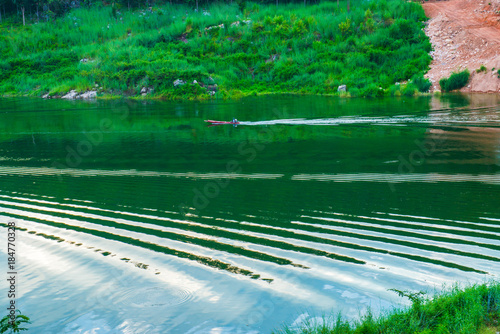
[(285, 49), (475, 309)]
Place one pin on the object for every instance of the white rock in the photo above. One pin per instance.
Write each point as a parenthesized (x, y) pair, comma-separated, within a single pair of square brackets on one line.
[(71, 95), (88, 95), (179, 82)]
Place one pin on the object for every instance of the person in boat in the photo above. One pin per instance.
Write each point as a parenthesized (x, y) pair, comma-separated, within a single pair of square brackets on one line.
[(235, 120)]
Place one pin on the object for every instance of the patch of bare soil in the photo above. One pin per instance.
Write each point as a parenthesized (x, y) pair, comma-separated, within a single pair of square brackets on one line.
[(465, 34)]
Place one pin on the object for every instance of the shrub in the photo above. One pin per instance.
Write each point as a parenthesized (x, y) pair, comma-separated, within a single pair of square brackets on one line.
[(265, 67), (372, 90), (258, 27), (354, 92), (285, 71), (455, 81), (299, 28), (422, 84), (410, 90), (281, 30), (481, 69), (402, 29), (394, 90), (279, 19), (345, 26)]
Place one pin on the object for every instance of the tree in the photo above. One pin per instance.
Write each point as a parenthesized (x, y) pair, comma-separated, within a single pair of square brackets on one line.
[(23, 4), (2, 4), (38, 4)]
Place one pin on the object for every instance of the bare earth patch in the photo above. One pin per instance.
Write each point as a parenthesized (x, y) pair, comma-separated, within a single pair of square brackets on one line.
[(465, 34)]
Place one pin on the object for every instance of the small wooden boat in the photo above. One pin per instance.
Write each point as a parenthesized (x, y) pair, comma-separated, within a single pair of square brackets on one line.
[(234, 121)]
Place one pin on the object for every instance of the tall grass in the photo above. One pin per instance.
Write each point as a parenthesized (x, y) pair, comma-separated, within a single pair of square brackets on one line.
[(462, 311), (290, 48)]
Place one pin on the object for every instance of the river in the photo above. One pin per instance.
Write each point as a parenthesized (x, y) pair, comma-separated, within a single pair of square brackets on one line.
[(139, 217)]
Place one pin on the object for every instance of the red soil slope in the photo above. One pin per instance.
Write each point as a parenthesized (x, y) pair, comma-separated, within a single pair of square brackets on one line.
[(465, 34)]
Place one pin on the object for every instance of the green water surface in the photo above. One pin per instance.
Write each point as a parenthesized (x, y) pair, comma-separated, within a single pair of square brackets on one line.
[(139, 217)]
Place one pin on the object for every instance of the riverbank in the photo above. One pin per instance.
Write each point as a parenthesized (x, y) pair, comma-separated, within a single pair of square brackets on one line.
[(465, 34), (224, 51), (474, 309)]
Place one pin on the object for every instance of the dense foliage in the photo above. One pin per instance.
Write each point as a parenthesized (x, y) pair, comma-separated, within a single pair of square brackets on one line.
[(243, 48), (455, 81)]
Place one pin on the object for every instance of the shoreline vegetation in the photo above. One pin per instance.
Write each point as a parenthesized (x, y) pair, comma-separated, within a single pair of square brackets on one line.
[(221, 51), (474, 309)]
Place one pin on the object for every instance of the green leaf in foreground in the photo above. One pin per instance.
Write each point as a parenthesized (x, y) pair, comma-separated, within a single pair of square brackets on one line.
[(9, 326)]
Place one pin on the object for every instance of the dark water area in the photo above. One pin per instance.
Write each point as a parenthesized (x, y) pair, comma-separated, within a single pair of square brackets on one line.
[(139, 217)]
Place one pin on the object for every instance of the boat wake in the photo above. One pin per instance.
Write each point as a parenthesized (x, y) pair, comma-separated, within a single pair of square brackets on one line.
[(472, 118)]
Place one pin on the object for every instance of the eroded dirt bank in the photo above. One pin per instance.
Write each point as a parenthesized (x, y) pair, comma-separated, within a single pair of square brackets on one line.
[(465, 34)]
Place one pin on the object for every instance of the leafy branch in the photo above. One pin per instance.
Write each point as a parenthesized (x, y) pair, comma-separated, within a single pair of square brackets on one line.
[(7, 323)]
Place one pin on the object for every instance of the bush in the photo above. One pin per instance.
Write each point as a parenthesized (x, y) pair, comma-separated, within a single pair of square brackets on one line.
[(410, 90), (422, 84), (394, 90), (455, 81), (482, 69), (402, 29), (258, 27), (285, 71), (372, 90)]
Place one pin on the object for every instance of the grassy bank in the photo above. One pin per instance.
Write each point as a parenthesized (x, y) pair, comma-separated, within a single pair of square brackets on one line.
[(243, 48), (475, 309)]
